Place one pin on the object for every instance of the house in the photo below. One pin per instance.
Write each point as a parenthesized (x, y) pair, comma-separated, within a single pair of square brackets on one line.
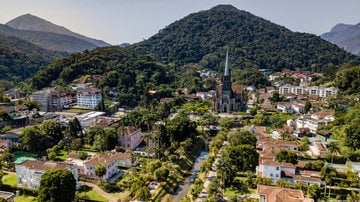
[(315, 121), (318, 149), (8, 196), (88, 97), (29, 173), (274, 194), (285, 107), (131, 137), (110, 160)]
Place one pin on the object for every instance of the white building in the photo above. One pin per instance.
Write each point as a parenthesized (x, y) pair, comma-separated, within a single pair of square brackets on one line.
[(29, 173), (89, 119), (110, 160), (304, 90), (315, 122), (88, 97)]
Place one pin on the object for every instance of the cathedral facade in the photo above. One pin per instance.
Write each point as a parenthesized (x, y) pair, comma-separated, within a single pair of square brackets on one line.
[(229, 98)]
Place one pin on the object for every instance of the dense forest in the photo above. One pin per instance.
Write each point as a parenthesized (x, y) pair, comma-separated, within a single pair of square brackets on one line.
[(21, 59), (203, 38), (130, 73)]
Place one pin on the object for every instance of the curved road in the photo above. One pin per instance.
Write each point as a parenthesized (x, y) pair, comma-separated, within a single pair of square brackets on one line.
[(108, 196)]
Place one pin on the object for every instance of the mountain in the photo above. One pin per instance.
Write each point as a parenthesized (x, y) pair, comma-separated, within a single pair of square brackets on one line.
[(48, 40), (34, 23), (21, 59), (204, 37), (345, 36)]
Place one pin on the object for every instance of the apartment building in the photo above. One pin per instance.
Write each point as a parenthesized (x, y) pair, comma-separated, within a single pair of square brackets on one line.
[(88, 97), (49, 99), (307, 90)]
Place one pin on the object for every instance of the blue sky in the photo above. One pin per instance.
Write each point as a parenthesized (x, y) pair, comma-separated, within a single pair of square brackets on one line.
[(118, 21)]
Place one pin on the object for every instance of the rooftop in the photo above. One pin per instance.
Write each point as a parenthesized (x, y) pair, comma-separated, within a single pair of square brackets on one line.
[(282, 194)]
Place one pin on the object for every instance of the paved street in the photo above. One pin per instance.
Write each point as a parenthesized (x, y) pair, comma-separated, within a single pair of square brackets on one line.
[(210, 176), (185, 185)]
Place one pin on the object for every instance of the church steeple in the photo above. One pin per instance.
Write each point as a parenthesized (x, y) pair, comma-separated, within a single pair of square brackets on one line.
[(227, 69), (227, 78)]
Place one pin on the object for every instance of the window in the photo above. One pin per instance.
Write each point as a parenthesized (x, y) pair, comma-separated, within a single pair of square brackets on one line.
[(277, 175), (277, 168), (271, 174)]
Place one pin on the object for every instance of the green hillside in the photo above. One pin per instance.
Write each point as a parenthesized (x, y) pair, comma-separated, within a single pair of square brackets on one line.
[(203, 38)]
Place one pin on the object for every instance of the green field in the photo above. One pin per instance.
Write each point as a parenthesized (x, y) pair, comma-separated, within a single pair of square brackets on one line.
[(9, 179), (24, 198), (88, 192)]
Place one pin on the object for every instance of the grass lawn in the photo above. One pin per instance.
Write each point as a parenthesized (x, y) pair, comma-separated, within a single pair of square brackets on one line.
[(88, 192), (9, 179), (61, 156), (236, 192), (121, 195), (23, 198)]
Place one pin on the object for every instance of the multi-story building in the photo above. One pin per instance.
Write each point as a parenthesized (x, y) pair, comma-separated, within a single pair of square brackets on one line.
[(29, 173), (131, 137), (110, 160), (88, 97), (49, 99), (304, 90), (89, 119), (315, 121)]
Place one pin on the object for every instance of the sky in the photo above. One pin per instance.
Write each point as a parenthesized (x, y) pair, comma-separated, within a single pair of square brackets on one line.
[(120, 21)]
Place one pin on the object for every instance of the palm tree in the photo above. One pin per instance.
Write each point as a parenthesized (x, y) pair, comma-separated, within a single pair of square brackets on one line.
[(333, 148), (328, 173)]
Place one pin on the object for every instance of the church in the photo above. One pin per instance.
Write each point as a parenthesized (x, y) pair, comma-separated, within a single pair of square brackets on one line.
[(229, 98)]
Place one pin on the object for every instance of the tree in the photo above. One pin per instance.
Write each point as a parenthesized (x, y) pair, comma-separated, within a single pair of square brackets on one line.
[(57, 185), (6, 158), (253, 111), (240, 137), (327, 174), (314, 192), (143, 193), (307, 106), (82, 155), (286, 156), (353, 197), (226, 123), (105, 139), (333, 148), (33, 140), (53, 129), (100, 170), (51, 155)]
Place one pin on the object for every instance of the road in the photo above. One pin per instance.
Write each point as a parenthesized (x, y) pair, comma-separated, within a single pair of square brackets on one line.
[(108, 196), (185, 185), (211, 175)]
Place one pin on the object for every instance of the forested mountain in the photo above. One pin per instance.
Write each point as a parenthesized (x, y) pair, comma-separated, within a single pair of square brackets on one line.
[(34, 23), (203, 38), (48, 40), (20, 59), (131, 73), (345, 36)]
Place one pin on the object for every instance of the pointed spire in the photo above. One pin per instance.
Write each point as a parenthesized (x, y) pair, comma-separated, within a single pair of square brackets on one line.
[(227, 69)]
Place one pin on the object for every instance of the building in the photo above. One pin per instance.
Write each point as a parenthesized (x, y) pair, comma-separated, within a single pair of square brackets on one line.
[(49, 99), (321, 92), (131, 137), (29, 173), (228, 98), (110, 160), (315, 121), (89, 119), (274, 194), (88, 97)]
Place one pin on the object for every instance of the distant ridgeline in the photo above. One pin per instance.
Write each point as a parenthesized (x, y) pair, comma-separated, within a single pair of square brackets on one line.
[(203, 38)]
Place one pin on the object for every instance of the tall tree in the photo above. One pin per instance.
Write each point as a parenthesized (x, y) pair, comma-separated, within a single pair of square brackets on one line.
[(100, 170), (57, 185)]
